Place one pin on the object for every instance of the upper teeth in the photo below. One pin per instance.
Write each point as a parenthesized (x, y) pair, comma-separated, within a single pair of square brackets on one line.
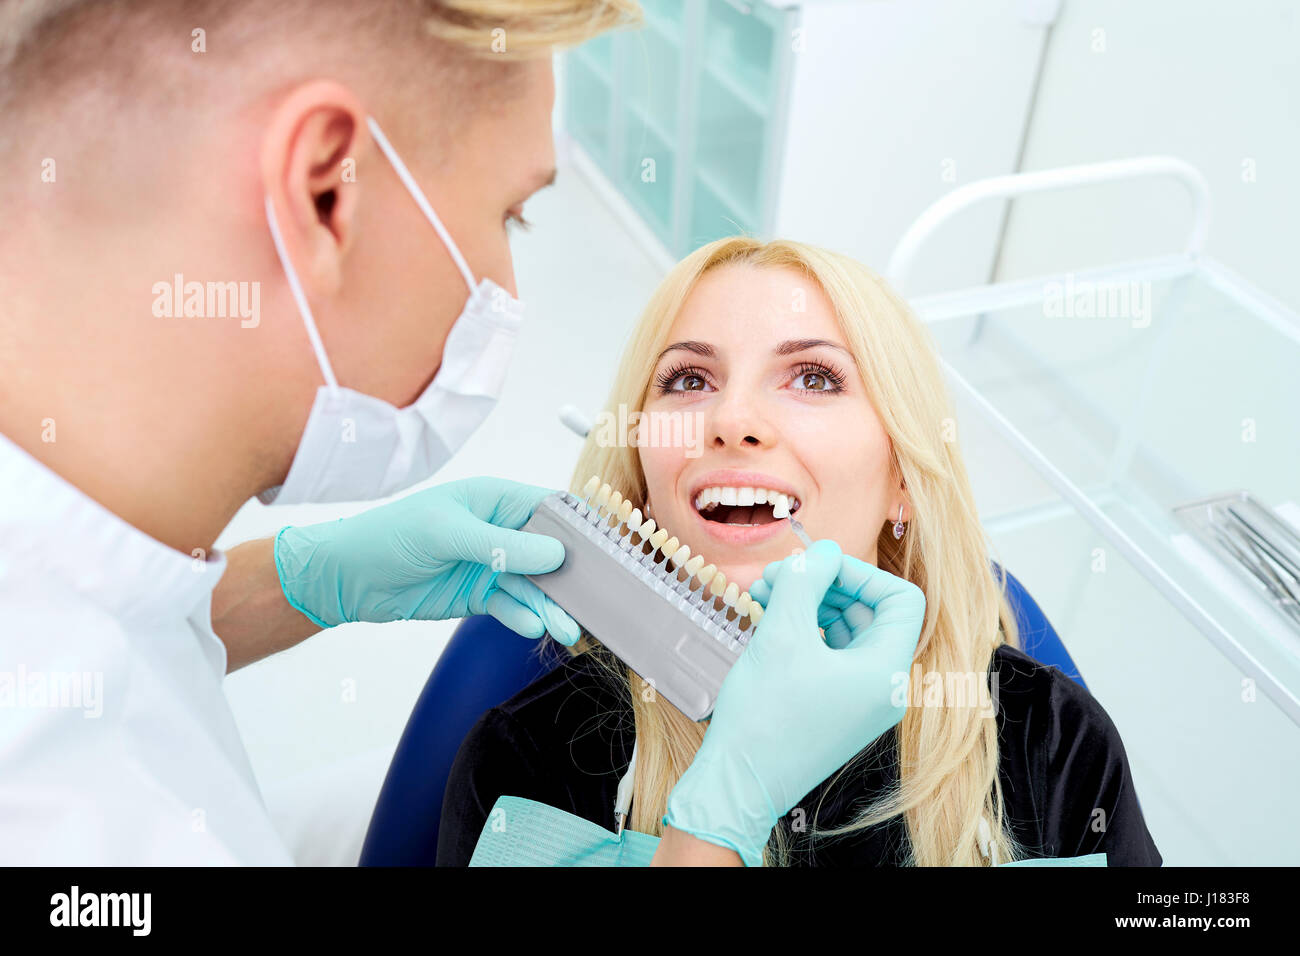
[(782, 504)]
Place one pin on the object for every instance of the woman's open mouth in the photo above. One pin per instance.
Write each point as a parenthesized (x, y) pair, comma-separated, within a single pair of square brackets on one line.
[(743, 514)]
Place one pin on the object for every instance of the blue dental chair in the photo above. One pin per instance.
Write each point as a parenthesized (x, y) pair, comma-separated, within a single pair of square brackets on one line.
[(484, 664)]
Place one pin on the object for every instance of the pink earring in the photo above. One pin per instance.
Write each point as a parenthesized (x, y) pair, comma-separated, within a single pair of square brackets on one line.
[(898, 525)]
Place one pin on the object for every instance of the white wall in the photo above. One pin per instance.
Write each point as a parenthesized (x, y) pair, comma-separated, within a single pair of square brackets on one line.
[(893, 104)]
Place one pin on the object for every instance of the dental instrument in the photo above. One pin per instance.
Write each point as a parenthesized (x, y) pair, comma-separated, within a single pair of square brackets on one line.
[(800, 533), (1255, 542), (623, 796), (629, 585)]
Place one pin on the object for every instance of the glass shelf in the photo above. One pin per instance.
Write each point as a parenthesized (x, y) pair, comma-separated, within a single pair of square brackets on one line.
[(1084, 420), (701, 91), (598, 54), (1133, 392), (653, 198), (739, 51), (652, 79), (666, 17), (729, 149), (712, 215), (589, 107)]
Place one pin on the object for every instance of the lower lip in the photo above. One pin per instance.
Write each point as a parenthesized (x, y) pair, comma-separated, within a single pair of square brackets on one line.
[(740, 534)]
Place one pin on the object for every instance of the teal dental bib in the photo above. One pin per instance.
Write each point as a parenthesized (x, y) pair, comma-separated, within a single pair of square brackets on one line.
[(521, 832)]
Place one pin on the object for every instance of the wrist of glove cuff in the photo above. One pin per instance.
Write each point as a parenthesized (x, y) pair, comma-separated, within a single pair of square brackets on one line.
[(719, 800), (294, 552)]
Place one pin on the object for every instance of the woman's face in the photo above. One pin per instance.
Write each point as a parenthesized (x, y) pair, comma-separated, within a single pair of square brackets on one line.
[(757, 355)]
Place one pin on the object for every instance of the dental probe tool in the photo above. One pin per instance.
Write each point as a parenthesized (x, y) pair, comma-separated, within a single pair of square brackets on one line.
[(797, 528), (802, 535)]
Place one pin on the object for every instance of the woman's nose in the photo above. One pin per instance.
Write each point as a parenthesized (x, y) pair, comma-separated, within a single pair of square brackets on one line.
[(737, 420)]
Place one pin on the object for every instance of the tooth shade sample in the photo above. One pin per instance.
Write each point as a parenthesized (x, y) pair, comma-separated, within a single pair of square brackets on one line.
[(781, 507), (590, 487), (669, 547), (718, 585), (743, 603), (624, 510), (681, 557), (731, 595), (706, 573), (694, 564), (658, 538)]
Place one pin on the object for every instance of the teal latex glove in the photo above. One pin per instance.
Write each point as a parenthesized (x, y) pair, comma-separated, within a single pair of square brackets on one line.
[(794, 709), (446, 552)]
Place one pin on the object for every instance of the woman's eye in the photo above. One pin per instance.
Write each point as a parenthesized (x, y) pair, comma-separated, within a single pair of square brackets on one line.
[(689, 383), (819, 378), (690, 379)]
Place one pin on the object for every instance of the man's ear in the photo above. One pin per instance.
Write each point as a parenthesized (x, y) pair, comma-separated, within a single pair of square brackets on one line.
[(311, 147)]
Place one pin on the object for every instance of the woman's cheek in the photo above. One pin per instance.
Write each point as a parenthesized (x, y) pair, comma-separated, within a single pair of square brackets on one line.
[(660, 467)]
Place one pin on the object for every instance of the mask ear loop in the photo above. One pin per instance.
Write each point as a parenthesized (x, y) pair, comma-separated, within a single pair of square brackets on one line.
[(300, 298), (417, 194)]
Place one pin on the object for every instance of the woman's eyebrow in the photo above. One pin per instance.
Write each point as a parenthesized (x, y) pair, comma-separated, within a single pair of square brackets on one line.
[(788, 347), (798, 345), (699, 348)]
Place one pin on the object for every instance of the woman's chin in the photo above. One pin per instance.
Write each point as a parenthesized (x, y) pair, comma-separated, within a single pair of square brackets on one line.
[(743, 573)]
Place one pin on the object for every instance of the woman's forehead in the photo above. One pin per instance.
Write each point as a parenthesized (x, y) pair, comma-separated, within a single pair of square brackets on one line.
[(746, 305)]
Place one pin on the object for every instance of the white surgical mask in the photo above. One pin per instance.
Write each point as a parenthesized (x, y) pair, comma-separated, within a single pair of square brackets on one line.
[(357, 447)]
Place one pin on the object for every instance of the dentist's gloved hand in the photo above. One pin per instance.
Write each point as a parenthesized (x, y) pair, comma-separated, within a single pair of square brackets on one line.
[(793, 709), (446, 552)]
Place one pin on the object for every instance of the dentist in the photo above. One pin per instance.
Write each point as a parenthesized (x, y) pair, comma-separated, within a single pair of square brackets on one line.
[(244, 154)]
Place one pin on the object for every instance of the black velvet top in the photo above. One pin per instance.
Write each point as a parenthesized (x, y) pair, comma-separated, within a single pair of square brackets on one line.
[(566, 739)]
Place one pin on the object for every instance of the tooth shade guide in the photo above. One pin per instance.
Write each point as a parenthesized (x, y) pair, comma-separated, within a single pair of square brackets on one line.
[(674, 559)]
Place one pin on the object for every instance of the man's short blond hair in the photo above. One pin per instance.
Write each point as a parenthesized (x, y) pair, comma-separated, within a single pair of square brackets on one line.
[(487, 27), (119, 51)]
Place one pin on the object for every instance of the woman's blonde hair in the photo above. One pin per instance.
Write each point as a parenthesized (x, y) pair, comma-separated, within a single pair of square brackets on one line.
[(948, 790)]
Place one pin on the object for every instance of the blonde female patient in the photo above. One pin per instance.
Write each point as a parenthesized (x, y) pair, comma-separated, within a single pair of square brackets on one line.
[(812, 380)]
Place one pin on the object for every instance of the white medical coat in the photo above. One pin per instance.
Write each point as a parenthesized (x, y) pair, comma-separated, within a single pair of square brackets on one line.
[(149, 768)]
